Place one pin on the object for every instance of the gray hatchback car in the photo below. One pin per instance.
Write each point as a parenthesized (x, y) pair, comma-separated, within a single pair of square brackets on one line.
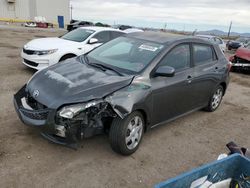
[(124, 88)]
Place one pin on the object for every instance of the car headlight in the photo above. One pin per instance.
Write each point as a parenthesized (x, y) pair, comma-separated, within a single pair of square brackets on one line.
[(45, 52), (70, 111)]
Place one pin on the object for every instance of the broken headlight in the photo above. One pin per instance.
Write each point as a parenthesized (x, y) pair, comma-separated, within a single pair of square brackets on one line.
[(70, 111)]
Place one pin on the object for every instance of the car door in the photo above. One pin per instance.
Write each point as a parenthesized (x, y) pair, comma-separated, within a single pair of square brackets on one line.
[(206, 72), (102, 37), (173, 96)]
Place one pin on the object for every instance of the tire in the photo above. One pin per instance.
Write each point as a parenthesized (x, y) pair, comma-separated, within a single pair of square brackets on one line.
[(122, 139), (215, 99), (67, 56)]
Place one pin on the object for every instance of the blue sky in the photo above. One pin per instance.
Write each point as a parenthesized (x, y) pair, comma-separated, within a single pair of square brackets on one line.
[(185, 15)]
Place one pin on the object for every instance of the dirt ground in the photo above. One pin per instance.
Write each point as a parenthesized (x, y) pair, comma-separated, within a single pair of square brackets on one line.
[(27, 160)]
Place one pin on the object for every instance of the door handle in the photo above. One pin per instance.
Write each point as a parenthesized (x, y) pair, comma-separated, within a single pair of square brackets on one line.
[(189, 79)]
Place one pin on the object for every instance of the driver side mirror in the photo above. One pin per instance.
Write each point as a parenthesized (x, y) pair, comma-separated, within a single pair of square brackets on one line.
[(165, 71), (93, 41)]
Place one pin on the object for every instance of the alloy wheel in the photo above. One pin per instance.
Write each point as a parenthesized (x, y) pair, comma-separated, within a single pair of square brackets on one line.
[(134, 132), (217, 98)]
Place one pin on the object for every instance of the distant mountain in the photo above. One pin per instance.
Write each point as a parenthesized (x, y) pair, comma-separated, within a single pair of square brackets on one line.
[(222, 33)]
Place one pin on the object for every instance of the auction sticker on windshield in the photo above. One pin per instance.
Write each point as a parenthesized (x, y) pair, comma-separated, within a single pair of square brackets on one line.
[(148, 47)]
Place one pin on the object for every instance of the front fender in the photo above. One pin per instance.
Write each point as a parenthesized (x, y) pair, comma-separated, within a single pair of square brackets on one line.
[(136, 96)]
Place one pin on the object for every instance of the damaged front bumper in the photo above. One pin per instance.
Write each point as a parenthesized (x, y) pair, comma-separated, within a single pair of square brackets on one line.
[(45, 120), (240, 64)]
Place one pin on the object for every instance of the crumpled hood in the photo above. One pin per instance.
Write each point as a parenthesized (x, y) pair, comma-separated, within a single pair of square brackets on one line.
[(243, 53), (72, 81), (48, 43)]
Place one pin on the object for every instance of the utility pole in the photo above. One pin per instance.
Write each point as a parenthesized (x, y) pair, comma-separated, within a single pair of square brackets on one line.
[(229, 31), (71, 12)]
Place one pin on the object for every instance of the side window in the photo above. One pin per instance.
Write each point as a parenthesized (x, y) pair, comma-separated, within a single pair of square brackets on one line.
[(115, 34), (178, 57), (203, 54), (102, 37)]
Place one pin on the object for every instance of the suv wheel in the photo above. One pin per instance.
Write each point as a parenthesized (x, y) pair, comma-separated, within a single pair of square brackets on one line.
[(215, 99), (126, 134)]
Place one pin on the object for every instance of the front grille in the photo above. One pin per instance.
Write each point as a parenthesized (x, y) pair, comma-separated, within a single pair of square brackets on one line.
[(34, 104), (36, 115), (31, 63), (29, 52), (240, 60), (39, 112)]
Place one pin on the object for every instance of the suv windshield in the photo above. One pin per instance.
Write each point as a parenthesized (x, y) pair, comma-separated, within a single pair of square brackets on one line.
[(78, 35), (128, 55)]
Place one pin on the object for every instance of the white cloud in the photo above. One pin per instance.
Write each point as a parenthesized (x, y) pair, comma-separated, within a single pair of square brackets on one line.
[(209, 12)]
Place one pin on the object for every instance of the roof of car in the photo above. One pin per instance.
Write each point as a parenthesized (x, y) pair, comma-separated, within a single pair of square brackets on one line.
[(159, 37), (96, 28)]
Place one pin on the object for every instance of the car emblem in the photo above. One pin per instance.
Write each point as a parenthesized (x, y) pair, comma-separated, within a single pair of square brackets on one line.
[(35, 93)]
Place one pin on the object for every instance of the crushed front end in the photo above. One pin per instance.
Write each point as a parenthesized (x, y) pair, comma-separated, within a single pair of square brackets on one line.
[(239, 64), (68, 124)]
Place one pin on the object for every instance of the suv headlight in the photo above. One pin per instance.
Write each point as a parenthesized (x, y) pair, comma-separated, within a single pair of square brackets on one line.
[(45, 52), (70, 111)]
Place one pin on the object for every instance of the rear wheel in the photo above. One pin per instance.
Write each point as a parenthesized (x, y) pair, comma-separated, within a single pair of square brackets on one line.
[(215, 99), (126, 134)]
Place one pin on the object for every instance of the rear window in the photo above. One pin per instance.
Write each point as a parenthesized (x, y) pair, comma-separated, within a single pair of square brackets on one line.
[(78, 35), (102, 36), (203, 54), (115, 34)]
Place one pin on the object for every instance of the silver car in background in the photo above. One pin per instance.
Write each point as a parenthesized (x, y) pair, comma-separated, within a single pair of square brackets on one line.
[(215, 40)]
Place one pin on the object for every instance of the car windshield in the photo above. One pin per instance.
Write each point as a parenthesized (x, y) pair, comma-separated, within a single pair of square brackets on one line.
[(78, 35), (128, 55)]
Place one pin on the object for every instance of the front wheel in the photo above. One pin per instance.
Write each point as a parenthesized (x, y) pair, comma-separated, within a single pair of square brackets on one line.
[(125, 135), (215, 99)]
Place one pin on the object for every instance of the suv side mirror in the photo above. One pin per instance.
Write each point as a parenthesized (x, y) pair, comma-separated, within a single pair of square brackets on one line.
[(165, 71), (93, 41)]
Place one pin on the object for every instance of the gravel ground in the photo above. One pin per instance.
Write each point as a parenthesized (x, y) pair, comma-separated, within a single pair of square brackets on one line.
[(27, 160)]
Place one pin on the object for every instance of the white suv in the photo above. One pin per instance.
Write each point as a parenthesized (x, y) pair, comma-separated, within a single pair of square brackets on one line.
[(41, 53)]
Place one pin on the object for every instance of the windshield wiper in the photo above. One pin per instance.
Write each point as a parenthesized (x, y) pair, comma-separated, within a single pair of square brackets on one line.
[(104, 67), (101, 66)]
